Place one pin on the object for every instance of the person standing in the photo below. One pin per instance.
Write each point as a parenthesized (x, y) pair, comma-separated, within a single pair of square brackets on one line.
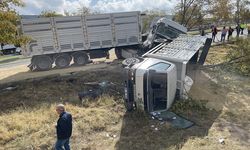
[(230, 33), (223, 34), (63, 128), (214, 32)]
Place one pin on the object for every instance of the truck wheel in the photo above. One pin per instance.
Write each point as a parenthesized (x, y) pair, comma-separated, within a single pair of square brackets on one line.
[(80, 58), (42, 63), (118, 53), (125, 52), (130, 61), (63, 60)]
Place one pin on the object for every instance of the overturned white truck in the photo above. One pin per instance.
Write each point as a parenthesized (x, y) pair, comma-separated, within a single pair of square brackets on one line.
[(153, 81), (59, 40)]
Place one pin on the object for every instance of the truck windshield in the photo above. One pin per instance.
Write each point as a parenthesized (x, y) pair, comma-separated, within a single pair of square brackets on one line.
[(157, 87)]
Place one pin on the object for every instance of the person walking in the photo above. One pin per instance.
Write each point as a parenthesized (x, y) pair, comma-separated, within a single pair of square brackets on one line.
[(214, 32), (63, 128), (230, 33), (223, 34)]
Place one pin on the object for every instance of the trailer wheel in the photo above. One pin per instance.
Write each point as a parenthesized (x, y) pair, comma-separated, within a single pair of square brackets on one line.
[(63, 60), (80, 58), (42, 63), (118, 53)]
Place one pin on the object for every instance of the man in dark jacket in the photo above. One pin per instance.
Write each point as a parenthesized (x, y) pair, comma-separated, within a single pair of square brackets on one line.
[(63, 128)]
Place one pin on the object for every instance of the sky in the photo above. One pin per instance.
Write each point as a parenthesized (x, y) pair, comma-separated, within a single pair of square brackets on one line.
[(34, 7)]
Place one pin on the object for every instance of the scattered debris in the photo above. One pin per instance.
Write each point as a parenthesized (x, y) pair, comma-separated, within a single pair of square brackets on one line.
[(222, 141), (10, 88), (154, 113), (89, 94), (156, 129), (172, 118), (161, 123), (160, 119), (110, 135)]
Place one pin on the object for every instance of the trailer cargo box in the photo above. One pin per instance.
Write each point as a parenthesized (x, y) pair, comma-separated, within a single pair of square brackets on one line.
[(76, 33)]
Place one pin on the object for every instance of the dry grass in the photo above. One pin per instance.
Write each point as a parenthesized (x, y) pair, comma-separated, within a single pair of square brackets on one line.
[(35, 127), (27, 115)]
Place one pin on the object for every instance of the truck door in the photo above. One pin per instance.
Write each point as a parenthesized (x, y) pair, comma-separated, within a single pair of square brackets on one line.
[(157, 90)]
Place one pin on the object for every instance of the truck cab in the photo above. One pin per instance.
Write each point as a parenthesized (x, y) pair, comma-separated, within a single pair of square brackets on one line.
[(162, 30), (155, 80), (150, 85)]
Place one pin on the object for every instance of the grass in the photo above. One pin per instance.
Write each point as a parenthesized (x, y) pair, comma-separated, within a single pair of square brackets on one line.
[(10, 58), (35, 127), (28, 118)]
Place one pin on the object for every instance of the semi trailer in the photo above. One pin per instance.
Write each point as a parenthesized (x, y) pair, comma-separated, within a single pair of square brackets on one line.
[(155, 80), (59, 40)]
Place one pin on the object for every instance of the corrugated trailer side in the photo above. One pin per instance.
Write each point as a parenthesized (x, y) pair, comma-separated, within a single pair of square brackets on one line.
[(61, 39)]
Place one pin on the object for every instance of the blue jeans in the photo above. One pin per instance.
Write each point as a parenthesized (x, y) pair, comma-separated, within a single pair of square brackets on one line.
[(62, 143)]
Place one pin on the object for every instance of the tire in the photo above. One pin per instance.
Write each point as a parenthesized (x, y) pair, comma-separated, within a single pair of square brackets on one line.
[(63, 60), (130, 61), (80, 58), (118, 53), (42, 63)]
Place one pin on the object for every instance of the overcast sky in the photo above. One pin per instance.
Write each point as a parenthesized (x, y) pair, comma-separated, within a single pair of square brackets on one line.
[(33, 7)]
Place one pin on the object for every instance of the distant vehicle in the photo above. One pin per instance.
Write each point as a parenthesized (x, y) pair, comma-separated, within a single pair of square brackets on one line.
[(60, 39), (10, 49)]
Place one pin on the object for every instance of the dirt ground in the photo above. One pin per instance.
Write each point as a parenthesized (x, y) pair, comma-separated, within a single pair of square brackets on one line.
[(219, 105)]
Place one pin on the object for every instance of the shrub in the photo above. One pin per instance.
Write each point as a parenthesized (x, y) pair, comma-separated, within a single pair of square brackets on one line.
[(239, 56)]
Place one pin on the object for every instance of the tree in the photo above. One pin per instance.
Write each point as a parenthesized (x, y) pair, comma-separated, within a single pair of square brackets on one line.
[(222, 10), (242, 10), (149, 17), (9, 21), (83, 10), (191, 12), (49, 13)]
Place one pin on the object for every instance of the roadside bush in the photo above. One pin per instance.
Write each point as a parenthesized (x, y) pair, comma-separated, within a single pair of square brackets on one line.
[(239, 56)]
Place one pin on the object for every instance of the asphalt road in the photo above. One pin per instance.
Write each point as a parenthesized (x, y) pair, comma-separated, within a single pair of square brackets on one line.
[(15, 63)]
